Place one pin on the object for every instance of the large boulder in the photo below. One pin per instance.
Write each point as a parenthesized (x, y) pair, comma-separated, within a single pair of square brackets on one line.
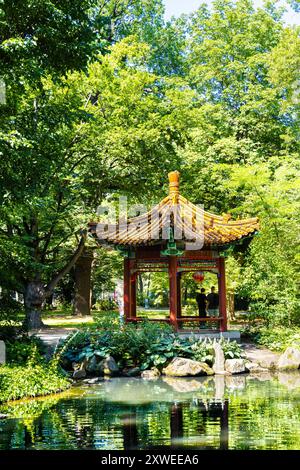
[(181, 367), (93, 366), (235, 366), (109, 366), (290, 359), (151, 374)]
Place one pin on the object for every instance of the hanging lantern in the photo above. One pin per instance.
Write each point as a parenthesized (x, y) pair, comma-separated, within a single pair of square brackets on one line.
[(198, 276)]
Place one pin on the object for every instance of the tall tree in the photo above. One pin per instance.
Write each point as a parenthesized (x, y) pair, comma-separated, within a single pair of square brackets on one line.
[(74, 141)]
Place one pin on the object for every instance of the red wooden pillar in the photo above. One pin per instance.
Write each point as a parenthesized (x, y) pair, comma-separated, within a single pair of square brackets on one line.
[(179, 295), (133, 295), (127, 288), (173, 291), (222, 293)]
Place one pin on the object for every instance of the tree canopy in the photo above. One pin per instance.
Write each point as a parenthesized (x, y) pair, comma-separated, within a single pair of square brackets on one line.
[(104, 97)]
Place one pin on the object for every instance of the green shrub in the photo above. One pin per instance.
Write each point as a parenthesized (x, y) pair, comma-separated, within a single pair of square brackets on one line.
[(145, 345), (106, 305), (276, 338), (21, 349), (30, 381)]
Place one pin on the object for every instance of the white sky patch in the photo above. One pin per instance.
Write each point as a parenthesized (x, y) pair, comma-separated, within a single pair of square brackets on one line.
[(177, 7)]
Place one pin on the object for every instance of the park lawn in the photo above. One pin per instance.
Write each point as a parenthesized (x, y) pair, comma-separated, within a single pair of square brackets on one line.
[(68, 321)]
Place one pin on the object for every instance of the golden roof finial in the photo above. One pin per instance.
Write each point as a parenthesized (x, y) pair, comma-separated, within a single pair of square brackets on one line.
[(174, 185)]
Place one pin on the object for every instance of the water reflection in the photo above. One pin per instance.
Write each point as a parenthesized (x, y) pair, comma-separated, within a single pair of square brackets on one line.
[(220, 412)]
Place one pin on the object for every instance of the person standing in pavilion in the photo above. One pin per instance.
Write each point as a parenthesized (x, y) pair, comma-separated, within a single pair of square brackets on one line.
[(213, 303), (202, 302)]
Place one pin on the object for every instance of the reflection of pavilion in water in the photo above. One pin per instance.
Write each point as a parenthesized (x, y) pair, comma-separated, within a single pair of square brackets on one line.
[(211, 410)]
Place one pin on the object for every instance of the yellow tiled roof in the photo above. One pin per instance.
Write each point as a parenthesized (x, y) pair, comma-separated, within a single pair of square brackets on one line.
[(188, 221)]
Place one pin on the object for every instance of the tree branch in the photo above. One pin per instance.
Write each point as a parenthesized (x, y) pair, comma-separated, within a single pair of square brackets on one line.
[(52, 284)]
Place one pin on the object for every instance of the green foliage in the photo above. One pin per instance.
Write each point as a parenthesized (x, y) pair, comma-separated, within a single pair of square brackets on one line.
[(29, 381), (106, 305), (104, 101), (275, 338), (21, 349), (10, 310), (145, 346)]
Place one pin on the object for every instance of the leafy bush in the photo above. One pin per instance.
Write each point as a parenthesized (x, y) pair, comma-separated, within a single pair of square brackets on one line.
[(276, 338), (145, 346), (10, 309), (106, 304), (10, 315), (107, 319), (21, 349), (30, 381), (35, 378)]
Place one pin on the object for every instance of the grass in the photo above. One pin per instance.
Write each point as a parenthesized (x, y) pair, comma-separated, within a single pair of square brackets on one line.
[(68, 321)]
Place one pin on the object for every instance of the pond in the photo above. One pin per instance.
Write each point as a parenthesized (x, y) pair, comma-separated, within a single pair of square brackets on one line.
[(233, 412)]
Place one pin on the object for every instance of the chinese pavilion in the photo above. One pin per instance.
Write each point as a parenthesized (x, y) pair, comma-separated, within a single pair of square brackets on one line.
[(178, 237)]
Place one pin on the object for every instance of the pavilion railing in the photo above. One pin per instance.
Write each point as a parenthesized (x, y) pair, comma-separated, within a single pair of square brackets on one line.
[(179, 320)]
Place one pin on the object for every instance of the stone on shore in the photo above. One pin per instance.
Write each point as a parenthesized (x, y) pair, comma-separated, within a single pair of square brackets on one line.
[(235, 366), (109, 366), (290, 359), (181, 367)]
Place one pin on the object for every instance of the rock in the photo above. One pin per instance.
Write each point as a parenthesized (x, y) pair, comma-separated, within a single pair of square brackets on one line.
[(290, 359), (268, 363), (181, 367), (79, 374), (3, 416), (94, 366), (151, 374), (109, 366), (235, 366), (219, 364), (2, 353), (133, 372)]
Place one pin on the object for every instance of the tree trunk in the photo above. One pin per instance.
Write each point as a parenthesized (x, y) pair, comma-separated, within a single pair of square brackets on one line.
[(36, 293), (83, 270), (34, 298)]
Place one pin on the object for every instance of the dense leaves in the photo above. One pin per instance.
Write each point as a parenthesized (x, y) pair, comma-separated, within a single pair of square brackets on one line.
[(145, 346), (103, 98)]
